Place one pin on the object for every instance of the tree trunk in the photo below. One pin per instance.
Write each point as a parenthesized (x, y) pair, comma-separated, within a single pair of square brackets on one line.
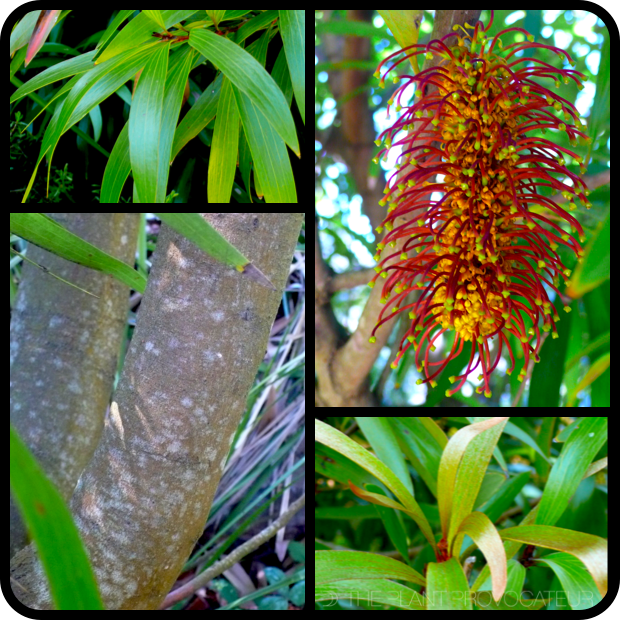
[(64, 351), (202, 331)]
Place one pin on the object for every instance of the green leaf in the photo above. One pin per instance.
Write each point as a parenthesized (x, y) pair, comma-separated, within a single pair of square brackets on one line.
[(578, 452), (272, 164), (591, 550), (145, 122), (508, 603), (393, 522), (48, 234), (341, 443), (139, 30), (511, 546), (503, 499), (447, 587), (117, 170), (293, 31), (377, 591), (71, 579), (580, 589), (224, 147), (180, 65), (84, 96), (381, 501), (68, 68), (200, 232), (423, 443), (515, 431), (332, 566), (157, 17), (216, 16), (247, 74), (332, 465), (381, 437), (198, 116), (491, 484)]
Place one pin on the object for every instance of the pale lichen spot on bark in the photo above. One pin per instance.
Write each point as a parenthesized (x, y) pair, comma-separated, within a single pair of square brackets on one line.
[(151, 348), (218, 316), (174, 305), (56, 321), (175, 447), (74, 387), (187, 476), (211, 356)]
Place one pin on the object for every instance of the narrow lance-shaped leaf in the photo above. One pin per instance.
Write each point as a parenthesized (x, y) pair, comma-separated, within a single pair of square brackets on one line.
[(273, 174), (216, 17), (449, 468), (392, 522), (480, 529), (156, 17), (249, 76), (447, 587), (224, 147), (200, 232), (577, 455), (383, 441), (341, 443), (43, 231), (333, 566), (45, 23), (591, 550), (471, 473), (422, 445), (379, 500), (376, 591), (511, 546), (62, 554), (145, 124), (293, 30), (577, 583)]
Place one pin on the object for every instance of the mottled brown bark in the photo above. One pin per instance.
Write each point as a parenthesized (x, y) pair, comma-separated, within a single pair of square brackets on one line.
[(64, 351), (202, 332)]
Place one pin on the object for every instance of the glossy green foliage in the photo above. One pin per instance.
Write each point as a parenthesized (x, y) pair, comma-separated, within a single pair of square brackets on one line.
[(517, 509)]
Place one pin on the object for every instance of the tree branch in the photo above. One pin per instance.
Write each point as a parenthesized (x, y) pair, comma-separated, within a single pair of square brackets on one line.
[(230, 560)]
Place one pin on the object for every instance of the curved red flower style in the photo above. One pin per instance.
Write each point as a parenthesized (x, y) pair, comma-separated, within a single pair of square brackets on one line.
[(479, 253)]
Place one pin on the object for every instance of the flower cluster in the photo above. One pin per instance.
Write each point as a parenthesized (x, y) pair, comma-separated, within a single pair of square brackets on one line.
[(478, 242)]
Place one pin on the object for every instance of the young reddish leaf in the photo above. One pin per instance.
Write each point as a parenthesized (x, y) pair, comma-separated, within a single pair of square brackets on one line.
[(480, 529), (591, 550), (46, 21), (449, 468)]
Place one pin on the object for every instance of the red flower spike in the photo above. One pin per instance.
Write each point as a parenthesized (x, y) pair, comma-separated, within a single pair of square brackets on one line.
[(480, 254)]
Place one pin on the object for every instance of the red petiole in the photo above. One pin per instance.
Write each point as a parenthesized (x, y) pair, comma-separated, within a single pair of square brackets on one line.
[(169, 36)]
